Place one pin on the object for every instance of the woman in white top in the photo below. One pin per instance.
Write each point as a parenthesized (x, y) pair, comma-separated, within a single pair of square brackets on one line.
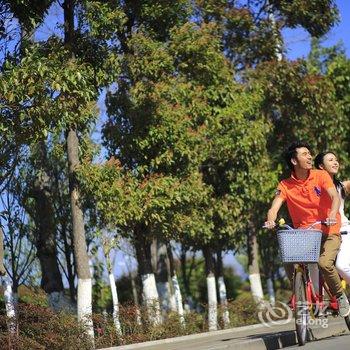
[(329, 162)]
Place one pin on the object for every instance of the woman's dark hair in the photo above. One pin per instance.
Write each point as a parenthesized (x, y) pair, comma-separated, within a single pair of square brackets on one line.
[(291, 152), (319, 161)]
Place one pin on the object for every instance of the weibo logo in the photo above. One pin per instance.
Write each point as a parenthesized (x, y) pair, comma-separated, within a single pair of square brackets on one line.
[(317, 191)]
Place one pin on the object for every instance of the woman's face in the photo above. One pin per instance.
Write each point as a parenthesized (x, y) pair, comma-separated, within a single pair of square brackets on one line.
[(330, 163)]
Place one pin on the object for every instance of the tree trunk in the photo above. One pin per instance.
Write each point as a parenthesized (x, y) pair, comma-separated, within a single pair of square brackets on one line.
[(107, 248), (282, 278), (2, 267), (84, 290), (136, 298), (211, 288), (176, 286), (115, 304), (65, 233), (10, 305), (149, 288), (68, 250), (163, 285), (222, 289), (45, 233), (183, 262), (253, 267), (271, 290)]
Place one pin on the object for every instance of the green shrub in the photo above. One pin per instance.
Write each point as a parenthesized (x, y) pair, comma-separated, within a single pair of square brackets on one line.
[(243, 311), (39, 328)]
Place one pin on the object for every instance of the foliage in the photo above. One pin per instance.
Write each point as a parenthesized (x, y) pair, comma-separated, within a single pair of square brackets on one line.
[(198, 112), (40, 328), (338, 72), (243, 310), (300, 105), (29, 13), (34, 93), (123, 201), (251, 31), (316, 16), (333, 65)]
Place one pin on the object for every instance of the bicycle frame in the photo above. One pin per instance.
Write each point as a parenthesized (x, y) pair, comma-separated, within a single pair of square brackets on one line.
[(315, 299), (306, 301)]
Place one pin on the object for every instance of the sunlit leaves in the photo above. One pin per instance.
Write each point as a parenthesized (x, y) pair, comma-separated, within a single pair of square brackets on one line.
[(47, 89)]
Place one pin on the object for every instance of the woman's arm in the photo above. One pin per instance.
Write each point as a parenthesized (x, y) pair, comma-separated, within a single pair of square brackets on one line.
[(332, 219), (346, 185)]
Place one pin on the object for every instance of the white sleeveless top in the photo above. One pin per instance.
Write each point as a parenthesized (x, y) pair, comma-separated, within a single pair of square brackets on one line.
[(344, 219)]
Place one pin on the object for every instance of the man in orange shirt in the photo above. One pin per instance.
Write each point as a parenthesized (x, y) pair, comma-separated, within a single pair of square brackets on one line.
[(311, 196)]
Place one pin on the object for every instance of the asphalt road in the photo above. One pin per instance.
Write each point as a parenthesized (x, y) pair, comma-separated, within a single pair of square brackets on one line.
[(341, 342), (255, 337)]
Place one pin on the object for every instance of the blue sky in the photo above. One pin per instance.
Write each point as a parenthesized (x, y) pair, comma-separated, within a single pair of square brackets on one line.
[(297, 41)]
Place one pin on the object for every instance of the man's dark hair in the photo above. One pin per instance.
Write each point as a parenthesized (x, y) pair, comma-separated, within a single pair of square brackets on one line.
[(291, 152)]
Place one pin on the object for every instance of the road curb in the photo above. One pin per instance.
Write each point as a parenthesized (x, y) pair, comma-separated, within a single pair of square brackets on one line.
[(194, 336), (277, 340)]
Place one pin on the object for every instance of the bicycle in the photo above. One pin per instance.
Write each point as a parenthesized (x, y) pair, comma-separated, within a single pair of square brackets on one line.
[(302, 248)]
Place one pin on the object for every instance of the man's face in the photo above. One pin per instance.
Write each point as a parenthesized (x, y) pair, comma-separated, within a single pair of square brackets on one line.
[(303, 159)]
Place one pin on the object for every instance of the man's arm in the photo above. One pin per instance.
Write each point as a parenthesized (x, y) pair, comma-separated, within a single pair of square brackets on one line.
[(332, 218), (273, 211)]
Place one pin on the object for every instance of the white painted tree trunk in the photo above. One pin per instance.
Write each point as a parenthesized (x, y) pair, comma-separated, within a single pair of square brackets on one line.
[(256, 287), (84, 304), (223, 301), (172, 301), (253, 268), (212, 304), (115, 304), (178, 298), (10, 305), (151, 298), (271, 291)]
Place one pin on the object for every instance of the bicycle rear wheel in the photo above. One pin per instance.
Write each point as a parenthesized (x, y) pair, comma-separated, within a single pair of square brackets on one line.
[(347, 321), (301, 312)]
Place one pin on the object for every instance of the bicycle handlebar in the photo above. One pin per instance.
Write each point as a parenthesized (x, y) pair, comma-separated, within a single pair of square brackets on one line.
[(320, 222)]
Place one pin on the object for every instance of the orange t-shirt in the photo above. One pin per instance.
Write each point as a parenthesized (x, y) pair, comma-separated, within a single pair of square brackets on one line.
[(308, 200)]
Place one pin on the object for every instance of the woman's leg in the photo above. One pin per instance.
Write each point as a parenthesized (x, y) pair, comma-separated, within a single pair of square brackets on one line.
[(343, 258)]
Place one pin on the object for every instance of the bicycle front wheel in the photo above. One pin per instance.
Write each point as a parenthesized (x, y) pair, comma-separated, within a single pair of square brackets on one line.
[(301, 311)]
